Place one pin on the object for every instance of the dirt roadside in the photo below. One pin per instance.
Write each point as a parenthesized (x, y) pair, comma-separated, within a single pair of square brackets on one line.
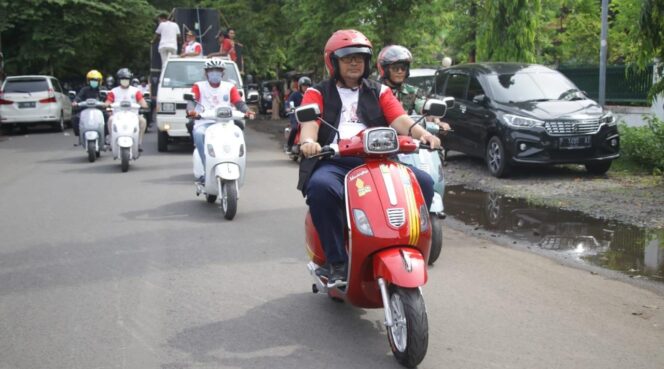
[(632, 200)]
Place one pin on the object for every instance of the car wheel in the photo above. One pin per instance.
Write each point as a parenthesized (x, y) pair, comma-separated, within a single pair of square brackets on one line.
[(162, 141), (599, 167), (496, 158), (59, 126)]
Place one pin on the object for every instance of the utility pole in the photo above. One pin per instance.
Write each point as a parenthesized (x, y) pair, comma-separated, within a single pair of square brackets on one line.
[(602, 52)]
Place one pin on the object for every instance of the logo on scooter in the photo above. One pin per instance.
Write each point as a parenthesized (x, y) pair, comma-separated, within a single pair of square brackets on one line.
[(362, 189), (225, 97), (356, 175)]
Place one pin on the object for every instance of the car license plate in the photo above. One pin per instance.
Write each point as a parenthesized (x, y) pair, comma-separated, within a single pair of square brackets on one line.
[(575, 142), (26, 104)]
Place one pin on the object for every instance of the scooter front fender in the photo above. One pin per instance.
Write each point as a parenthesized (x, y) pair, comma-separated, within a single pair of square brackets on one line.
[(125, 141), (227, 171), (91, 135), (401, 266)]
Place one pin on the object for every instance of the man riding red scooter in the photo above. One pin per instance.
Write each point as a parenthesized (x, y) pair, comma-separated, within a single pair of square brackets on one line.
[(368, 230)]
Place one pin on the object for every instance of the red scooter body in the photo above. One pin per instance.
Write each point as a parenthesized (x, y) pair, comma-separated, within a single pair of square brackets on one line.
[(388, 241)]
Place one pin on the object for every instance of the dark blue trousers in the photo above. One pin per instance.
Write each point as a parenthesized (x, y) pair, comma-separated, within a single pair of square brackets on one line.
[(325, 197)]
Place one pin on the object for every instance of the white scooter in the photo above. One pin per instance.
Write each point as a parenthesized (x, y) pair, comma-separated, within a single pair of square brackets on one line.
[(91, 127), (431, 162), (124, 133), (225, 158)]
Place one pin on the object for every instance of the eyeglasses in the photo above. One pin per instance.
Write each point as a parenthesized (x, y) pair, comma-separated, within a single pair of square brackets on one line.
[(353, 58), (398, 67)]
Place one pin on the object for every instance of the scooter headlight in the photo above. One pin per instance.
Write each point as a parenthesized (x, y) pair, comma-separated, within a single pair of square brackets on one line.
[(424, 218), (210, 150), (362, 222), (381, 140)]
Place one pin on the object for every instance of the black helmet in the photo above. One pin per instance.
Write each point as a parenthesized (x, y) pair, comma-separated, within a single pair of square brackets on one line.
[(304, 80), (124, 73), (390, 55)]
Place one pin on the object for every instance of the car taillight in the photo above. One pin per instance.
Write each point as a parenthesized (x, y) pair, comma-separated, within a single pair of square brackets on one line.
[(48, 100), (5, 102)]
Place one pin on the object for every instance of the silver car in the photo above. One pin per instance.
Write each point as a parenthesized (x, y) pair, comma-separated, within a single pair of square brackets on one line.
[(31, 100)]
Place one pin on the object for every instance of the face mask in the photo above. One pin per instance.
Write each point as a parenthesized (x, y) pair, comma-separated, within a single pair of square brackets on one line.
[(124, 83), (214, 77), (94, 84)]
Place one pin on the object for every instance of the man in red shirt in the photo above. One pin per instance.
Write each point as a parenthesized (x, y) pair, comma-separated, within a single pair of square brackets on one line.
[(226, 45), (351, 103)]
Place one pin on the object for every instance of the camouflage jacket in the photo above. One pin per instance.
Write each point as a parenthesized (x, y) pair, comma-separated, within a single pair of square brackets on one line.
[(410, 97)]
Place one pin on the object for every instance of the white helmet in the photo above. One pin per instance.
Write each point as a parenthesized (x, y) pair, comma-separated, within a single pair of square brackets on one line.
[(214, 63)]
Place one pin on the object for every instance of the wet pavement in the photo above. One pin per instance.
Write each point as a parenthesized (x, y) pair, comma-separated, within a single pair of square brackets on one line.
[(635, 251)]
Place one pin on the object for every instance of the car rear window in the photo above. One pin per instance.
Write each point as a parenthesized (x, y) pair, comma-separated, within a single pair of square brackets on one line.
[(26, 85), (185, 74)]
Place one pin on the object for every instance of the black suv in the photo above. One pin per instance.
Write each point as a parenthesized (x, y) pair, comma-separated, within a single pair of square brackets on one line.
[(519, 114)]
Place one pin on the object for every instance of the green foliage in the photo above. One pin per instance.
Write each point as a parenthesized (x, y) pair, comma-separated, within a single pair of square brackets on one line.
[(651, 27), (644, 145), (508, 33)]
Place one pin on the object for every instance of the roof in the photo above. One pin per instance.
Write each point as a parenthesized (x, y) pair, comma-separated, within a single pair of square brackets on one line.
[(500, 68)]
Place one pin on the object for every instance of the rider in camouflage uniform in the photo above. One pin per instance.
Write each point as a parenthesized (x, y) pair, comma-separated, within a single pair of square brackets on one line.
[(394, 67)]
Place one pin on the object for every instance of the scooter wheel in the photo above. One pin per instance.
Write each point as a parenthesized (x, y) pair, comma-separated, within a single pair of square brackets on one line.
[(409, 335), (436, 239)]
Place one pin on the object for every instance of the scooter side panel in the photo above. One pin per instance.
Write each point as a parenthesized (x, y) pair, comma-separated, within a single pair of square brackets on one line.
[(391, 265), (312, 242), (379, 189)]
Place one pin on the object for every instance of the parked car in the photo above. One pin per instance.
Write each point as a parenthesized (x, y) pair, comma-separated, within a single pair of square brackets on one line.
[(514, 114), (177, 77), (32, 100), (422, 78)]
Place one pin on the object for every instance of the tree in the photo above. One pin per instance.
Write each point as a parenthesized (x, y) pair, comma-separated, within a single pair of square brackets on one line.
[(508, 30), (651, 32)]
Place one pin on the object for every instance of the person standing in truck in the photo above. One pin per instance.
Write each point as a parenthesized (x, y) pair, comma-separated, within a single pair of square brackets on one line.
[(168, 33)]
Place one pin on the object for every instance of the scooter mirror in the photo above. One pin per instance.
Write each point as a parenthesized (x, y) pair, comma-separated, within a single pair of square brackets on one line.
[(434, 108), (307, 113), (71, 94), (188, 97), (449, 102)]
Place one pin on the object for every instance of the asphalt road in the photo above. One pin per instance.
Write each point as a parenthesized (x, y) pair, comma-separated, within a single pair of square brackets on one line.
[(103, 269)]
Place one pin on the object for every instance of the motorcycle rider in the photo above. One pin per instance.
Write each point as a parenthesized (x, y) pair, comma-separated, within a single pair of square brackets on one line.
[(394, 67), (90, 91), (211, 94), (296, 98), (126, 92), (110, 83), (350, 102)]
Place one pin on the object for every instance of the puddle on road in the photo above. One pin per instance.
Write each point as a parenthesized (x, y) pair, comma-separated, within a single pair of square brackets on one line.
[(636, 251)]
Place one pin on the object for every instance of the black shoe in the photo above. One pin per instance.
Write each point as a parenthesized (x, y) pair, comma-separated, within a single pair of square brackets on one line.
[(323, 272), (337, 277)]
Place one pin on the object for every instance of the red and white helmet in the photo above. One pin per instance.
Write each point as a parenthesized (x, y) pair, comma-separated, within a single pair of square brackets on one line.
[(393, 54), (346, 42)]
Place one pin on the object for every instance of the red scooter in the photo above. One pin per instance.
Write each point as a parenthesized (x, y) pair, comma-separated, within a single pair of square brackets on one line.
[(389, 234)]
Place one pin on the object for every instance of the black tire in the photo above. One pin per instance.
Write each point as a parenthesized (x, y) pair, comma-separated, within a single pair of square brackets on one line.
[(436, 239), (211, 198), (59, 126), (496, 158), (124, 157), (7, 129), (92, 151), (598, 167), (162, 141), (228, 195), (407, 304)]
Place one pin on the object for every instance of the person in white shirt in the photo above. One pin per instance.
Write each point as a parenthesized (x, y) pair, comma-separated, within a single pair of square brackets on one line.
[(129, 93), (191, 48), (168, 33)]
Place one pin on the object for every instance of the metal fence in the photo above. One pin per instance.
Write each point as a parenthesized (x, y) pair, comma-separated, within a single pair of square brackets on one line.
[(623, 85)]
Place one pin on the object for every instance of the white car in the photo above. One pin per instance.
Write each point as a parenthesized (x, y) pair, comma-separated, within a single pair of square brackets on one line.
[(30, 100), (177, 77), (422, 78)]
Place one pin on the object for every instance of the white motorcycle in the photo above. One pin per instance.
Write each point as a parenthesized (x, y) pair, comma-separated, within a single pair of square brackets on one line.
[(91, 123), (124, 132), (225, 158), (432, 163)]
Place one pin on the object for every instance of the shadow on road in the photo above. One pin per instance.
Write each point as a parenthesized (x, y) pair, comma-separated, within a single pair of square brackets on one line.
[(319, 331)]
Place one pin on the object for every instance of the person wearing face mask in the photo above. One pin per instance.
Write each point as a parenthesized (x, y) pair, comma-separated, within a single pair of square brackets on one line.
[(90, 91), (212, 94), (126, 92)]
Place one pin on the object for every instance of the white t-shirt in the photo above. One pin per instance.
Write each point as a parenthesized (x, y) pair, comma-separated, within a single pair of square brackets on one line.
[(169, 32), (349, 122)]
